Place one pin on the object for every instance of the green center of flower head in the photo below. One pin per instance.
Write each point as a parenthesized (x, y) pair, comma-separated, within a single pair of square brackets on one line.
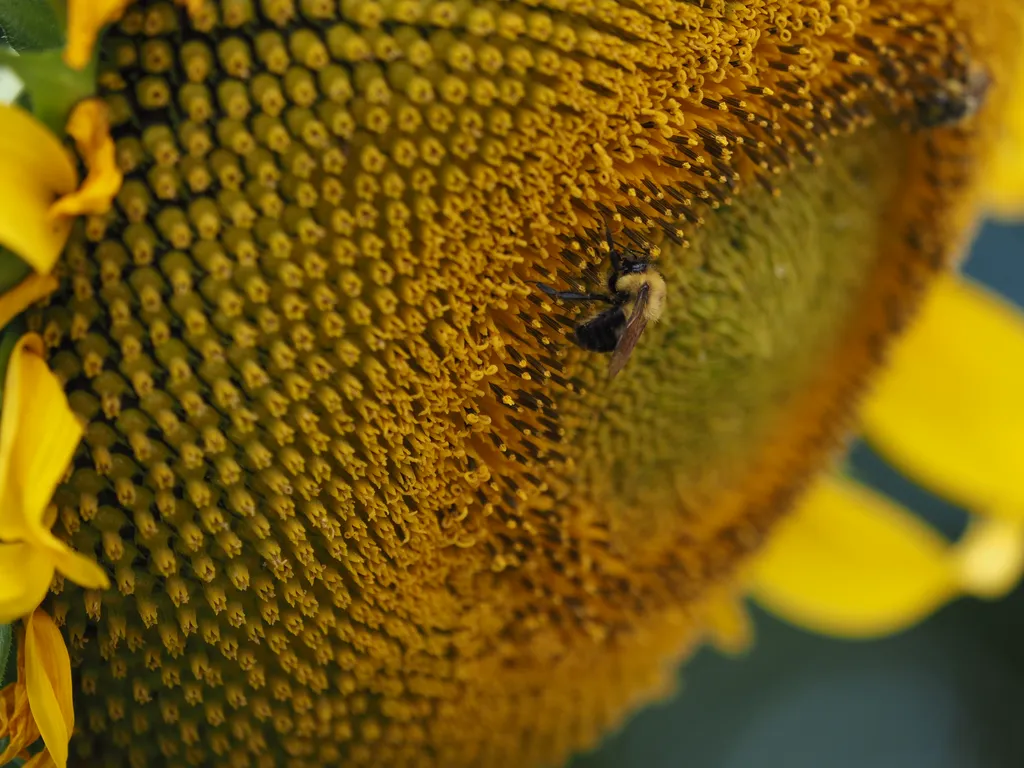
[(362, 499), (759, 299)]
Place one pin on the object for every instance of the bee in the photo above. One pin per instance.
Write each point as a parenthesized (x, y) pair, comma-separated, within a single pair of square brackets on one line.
[(636, 297), (956, 101)]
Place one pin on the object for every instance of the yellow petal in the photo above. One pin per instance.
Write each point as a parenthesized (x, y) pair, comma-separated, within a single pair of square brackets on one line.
[(1004, 186), (89, 126), (848, 562), (86, 18), (74, 565), (948, 411), (28, 571), (36, 171), (27, 292), (1004, 180), (41, 760), (48, 680), (16, 721), (730, 630), (989, 557), (38, 436)]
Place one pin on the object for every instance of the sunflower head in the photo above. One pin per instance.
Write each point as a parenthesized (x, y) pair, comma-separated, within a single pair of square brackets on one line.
[(361, 497)]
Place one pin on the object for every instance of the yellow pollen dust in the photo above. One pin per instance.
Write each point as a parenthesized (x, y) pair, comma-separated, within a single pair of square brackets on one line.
[(361, 500)]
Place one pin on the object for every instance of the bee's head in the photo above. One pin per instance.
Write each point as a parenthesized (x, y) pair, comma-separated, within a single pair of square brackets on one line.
[(634, 263)]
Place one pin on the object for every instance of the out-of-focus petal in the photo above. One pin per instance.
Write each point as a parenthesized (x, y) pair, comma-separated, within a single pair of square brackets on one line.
[(41, 760), (730, 629), (86, 18), (37, 170), (89, 126), (27, 292), (38, 437), (74, 565), (989, 557), (28, 571), (848, 562), (948, 410), (1004, 180), (16, 722), (48, 680)]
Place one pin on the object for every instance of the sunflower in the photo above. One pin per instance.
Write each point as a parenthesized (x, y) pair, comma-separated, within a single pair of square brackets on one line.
[(296, 438)]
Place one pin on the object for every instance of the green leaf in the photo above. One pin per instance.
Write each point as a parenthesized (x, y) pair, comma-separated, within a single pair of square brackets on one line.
[(12, 269), (53, 88), (6, 644), (30, 24), (9, 336)]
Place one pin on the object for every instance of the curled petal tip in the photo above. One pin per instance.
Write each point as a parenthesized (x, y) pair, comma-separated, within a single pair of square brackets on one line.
[(86, 18), (990, 557), (89, 126)]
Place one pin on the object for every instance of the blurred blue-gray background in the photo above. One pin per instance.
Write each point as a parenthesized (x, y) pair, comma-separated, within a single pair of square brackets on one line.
[(947, 694)]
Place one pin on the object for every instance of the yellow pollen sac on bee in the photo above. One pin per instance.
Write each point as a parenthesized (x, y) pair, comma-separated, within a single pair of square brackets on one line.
[(362, 499)]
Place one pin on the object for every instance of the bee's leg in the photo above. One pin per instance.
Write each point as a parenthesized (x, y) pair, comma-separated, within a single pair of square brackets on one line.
[(570, 296)]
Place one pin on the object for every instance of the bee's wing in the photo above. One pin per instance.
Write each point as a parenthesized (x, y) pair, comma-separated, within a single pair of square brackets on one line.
[(631, 333)]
